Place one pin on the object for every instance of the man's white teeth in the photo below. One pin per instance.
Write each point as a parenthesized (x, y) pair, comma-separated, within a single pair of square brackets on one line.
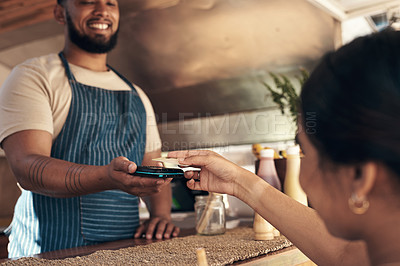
[(99, 26)]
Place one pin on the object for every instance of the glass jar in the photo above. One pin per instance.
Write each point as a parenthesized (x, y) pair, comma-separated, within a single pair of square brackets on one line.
[(214, 223)]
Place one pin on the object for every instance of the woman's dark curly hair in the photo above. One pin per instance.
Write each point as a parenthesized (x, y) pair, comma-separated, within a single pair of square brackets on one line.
[(351, 102)]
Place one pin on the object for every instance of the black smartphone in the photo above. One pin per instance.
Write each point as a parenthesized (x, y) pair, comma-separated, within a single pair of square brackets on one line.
[(158, 172)]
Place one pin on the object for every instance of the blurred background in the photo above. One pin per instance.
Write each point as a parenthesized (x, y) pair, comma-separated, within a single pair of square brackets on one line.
[(202, 63)]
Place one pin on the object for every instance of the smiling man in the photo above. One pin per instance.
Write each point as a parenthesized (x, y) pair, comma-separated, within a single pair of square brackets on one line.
[(100, 43), (101, 33), (74, 131)]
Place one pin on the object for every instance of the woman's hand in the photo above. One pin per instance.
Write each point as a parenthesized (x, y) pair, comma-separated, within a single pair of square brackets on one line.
[(159, 227), (217, 174)]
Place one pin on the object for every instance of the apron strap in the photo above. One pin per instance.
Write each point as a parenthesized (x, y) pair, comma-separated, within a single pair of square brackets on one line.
[(122, 77), (71, 77), (66, 66)]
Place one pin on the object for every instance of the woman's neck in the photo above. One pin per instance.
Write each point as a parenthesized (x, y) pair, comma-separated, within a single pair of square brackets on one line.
[(383, 243)]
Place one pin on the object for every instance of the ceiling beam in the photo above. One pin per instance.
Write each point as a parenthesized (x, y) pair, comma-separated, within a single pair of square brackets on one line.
[(338, 11), (373, 9), (334, 8)]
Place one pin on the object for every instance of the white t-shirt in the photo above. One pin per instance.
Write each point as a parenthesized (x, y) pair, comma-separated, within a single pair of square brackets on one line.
[(37, 95)]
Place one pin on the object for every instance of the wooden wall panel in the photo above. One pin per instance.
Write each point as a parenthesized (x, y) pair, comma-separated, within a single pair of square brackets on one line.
[(15, 14)]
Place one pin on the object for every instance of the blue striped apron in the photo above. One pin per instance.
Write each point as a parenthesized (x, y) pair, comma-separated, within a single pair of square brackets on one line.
[(100, 126)]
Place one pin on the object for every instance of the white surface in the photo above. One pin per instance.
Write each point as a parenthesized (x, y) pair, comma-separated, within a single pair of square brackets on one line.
[(355, 27), (269, 153), (294, 150)]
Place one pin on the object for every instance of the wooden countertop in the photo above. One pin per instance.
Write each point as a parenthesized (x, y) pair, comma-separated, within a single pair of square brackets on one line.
[(286, 256)]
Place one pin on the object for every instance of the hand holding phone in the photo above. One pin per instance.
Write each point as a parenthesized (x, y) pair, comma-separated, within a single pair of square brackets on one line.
[(158, 172)]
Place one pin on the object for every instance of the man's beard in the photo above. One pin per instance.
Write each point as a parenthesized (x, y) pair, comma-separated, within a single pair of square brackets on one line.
[(92, 45)]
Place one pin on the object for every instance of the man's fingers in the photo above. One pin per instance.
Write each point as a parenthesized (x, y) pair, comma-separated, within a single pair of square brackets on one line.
[(158, 228), (171, 231), (132, 168), (139, 231), (124, 165), (176, 231), (161, 228), (143, 182), (150, 228)]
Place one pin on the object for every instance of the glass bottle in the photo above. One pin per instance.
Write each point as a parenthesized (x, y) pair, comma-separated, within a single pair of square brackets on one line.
[(263, 230), (291, 186), (214, 220), (267, 170)]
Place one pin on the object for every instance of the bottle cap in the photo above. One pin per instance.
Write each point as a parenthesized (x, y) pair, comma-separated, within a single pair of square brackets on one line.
[(294, 150), (267, 153)]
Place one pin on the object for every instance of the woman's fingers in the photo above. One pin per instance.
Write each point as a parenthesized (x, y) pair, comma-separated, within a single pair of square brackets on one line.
[(189, 174), (192, 184), (195, 160), (187, 153)]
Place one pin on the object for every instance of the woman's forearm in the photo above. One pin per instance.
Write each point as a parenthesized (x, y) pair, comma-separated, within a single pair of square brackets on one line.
[(300, 224)]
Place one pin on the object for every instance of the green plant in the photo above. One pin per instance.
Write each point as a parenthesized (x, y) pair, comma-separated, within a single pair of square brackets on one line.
[(285, 94)]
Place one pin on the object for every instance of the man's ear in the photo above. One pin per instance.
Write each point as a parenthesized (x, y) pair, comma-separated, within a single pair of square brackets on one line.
[(58, 12), (365, 178)]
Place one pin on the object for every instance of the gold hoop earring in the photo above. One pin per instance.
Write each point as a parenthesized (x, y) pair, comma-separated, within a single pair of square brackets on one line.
[(358, 205)]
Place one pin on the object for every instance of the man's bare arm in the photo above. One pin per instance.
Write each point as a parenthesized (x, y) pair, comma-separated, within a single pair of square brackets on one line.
[(28, 153)]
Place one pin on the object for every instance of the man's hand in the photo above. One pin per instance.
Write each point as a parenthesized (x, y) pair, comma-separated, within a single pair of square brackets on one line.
[(157, 227), (120, 172)]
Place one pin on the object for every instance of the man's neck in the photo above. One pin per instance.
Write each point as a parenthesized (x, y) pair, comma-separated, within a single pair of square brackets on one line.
[(79, 57)]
